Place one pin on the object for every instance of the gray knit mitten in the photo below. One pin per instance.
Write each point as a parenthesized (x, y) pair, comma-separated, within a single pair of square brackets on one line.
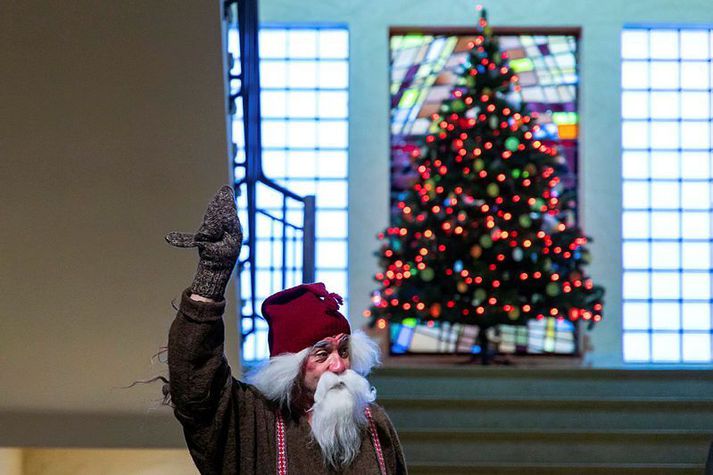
[(218, 241)]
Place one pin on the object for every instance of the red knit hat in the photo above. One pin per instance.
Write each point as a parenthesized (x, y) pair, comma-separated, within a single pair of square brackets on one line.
[(302, 316)]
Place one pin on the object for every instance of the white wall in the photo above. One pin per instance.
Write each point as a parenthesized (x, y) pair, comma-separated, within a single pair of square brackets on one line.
[(601, 22), (112, 133)]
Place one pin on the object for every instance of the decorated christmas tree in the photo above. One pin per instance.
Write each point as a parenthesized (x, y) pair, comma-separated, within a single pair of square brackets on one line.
[(486, 234)]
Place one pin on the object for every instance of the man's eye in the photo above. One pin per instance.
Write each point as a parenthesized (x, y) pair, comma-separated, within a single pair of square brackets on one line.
[(320, 355), (344, 353)]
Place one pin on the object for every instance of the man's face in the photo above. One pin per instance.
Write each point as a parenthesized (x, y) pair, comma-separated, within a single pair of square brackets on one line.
[(330, 354)]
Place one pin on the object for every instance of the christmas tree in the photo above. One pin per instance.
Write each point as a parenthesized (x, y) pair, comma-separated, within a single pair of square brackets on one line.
[(487, 234)]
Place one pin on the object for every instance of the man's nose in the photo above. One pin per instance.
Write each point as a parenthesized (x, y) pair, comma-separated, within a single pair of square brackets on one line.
[(337, 365)]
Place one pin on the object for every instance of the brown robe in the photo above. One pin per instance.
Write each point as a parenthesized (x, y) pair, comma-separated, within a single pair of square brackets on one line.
[(229, 426)]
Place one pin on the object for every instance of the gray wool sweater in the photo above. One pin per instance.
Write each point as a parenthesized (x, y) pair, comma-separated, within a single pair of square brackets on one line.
[(229, 426)]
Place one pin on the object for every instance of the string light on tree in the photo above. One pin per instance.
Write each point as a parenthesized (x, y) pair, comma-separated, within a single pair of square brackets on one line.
[(483, 236)]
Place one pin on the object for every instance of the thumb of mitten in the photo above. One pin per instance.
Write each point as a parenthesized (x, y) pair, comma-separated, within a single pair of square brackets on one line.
[(181, 239)]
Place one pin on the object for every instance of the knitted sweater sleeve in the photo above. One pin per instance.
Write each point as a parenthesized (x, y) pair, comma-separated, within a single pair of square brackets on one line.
[(202, 387)]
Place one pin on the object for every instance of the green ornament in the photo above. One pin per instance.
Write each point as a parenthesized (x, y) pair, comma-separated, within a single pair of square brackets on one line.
[(458, 106), (493, 190), (486, 241), (427, 274), (537, 205), (525, 221), (479, 164), (516, 173), (511, 143), (493, 122), (517, 254), (479, 296), (552, 289)]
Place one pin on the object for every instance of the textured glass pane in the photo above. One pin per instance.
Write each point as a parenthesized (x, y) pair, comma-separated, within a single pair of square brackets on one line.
[(302, 104), (332, 134), (636, 285), (302, 134), (696, 255), (332, 164), (665, 285), (333, 74), (664, 105), (634, 134), (636, 347), (664, 44), (273, 43), (635, 44), (695, 225), (273, 103), (665, 347), (333, 44), (274, 133), (697, 347), (332, 254), (302, 74), (695, 74), (696, 285), (301, 163), (694, 44), (664, 165), (695, 105), (332, 224), (695, 135), (273, 163), (336, 282), (635, 224), (665, 195), (636, 255), (696, 316), (695, 165), (635, 75), (333, 104), (665, 255), (635, 194), (665, 135), (635, 165), (635, 105), (332, 194), (664, 75), (665, 316), (302, 43), (273, 74), (695, 195), (664, 225), (636, 316)]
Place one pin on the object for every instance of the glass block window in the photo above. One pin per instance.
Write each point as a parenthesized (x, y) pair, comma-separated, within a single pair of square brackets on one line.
[(666, 177), (424, 71), (304, 77)]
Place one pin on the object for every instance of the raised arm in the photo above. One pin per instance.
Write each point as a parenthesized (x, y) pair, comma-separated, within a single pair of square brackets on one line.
[(200, 378)]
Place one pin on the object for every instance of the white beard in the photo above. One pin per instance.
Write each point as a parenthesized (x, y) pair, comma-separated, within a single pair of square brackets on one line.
[(338, 418)]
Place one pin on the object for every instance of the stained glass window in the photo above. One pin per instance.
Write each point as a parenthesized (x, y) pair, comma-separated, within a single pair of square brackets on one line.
[(424, 70)]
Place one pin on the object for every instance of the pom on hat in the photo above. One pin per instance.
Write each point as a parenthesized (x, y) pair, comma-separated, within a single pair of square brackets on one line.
[(301, 316)]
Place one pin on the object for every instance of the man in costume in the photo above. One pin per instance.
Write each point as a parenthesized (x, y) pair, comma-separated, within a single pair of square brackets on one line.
[(308, 410)]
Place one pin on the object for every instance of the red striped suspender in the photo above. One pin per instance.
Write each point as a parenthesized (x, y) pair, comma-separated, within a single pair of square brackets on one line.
[(282, 445)]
